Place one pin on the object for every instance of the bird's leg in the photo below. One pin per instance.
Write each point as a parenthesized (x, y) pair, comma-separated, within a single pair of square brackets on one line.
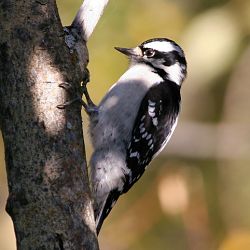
[(69, 88), (89, 107)]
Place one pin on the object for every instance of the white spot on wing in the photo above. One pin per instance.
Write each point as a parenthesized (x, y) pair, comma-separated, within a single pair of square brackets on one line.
[(134, 154), (135, 140), (142, 130), (155, 121), (150, 142), (151, 111), (152, 114), (150, 103)]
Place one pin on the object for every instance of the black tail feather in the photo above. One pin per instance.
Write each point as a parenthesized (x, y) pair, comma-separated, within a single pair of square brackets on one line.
[(102, 213)]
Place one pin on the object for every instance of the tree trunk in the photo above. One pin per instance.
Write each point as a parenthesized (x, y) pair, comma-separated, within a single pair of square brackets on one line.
[(49, 197)]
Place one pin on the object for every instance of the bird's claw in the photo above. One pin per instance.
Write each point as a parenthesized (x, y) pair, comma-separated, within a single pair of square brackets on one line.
[(69, 88), (89, 107), (68, 103), (66, 85), (86, 77)]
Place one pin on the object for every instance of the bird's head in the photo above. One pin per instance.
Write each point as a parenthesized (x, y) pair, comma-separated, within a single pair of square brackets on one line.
[(163, 55)]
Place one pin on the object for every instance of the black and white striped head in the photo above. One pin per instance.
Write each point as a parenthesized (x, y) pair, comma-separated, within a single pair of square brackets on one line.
[(163, 55)]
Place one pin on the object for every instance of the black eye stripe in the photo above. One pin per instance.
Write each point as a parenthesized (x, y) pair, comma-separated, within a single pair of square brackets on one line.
[(179, 58), (167, 58), (170, 58)]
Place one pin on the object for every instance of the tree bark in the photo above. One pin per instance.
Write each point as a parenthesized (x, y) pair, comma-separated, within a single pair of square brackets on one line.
[(49, 196)]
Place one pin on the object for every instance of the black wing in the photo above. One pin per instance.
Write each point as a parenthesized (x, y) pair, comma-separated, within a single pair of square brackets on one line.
[(152, 128)]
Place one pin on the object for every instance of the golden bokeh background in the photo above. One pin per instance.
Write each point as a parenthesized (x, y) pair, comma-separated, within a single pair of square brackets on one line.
[(196, 194)]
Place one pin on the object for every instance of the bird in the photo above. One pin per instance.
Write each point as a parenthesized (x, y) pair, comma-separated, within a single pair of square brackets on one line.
[(134, 120)]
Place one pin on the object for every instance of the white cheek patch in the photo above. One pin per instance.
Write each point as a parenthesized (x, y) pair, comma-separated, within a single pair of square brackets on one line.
[(174, 72)]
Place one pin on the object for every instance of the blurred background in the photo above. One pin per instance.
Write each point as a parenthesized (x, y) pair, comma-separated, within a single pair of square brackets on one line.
[(196, 194)]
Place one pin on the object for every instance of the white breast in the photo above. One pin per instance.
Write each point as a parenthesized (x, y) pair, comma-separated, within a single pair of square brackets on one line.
[(119, 107)]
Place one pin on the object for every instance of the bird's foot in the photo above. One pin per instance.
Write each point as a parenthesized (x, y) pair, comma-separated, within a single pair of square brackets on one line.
[(69, 88), (89, 107)]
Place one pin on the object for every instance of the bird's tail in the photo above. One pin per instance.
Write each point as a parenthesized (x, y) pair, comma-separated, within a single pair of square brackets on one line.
[(103, 210)]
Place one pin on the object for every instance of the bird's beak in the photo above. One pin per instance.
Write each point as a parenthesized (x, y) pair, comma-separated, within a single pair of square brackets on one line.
[(130, 51)]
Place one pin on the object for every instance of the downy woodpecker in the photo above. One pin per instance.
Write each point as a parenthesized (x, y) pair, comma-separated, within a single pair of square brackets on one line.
[(134, 120)]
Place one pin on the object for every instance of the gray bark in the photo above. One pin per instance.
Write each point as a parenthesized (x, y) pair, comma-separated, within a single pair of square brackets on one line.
[(49, 196)]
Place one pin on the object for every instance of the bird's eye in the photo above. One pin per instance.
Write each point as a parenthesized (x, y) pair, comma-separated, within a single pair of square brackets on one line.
[(149, 52)]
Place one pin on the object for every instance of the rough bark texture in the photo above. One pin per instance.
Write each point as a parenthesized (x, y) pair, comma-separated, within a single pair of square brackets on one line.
[(49, 197)]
